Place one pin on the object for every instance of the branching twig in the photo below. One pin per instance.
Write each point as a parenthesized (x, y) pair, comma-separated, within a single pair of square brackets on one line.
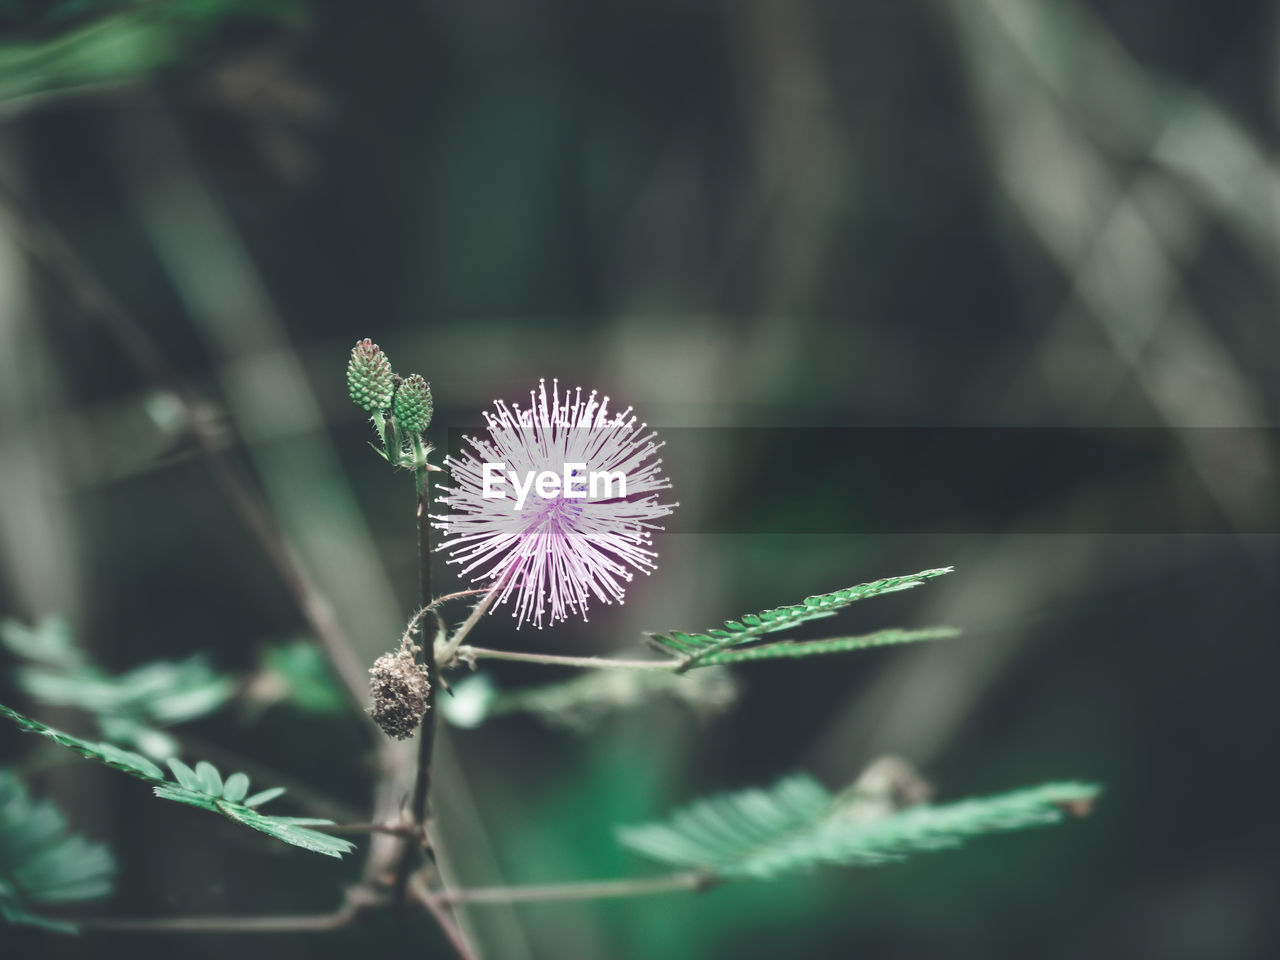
[(419, 808), (47, 246), (427, 733), (358, 901), (406, 830), (433, 607), (446, 922), (450, 650), (589, 890), (555, 660), (303, 923)]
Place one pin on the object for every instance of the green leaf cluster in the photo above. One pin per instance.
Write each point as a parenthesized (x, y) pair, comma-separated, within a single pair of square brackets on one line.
[(126, 761), (121, 42), (581, 703), (738, 639), (203, 787), (299, 674), (41, 863), (797, 825), (128, 707)]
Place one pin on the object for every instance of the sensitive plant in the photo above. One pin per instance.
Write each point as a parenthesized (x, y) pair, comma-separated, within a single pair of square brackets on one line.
[(564, 550), (550, 554)]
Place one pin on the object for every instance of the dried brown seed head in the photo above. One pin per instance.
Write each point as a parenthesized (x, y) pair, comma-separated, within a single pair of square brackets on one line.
[(398, 687)]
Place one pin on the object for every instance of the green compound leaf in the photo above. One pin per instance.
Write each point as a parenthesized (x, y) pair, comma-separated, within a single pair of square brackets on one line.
[(210, 779), (50, 642), (128, 707), (297, 673), (203, 787), (292, 830), (581, 703), (236, 787), (790, 649), (134, 764), (264, 796), (40, 862), (186, 776), (723, 831), (797, 825), (124, 43), (695, 649)]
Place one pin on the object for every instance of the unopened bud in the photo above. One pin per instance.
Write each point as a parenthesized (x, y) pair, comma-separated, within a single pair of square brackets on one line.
[(413, 406), (369, 377)]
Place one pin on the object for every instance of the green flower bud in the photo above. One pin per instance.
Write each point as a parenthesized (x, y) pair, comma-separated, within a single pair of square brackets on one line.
[(413, 407), (369, 377)]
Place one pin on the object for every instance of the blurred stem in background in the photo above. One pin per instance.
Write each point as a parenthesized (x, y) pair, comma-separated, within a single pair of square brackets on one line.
[(47, 246)]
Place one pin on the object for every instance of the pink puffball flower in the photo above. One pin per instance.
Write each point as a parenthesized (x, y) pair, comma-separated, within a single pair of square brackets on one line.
[(568, 542)]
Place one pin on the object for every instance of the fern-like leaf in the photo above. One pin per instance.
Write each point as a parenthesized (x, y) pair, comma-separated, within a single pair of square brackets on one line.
[(202, 787), (797, 825), (792, 649), (582, 702), (128, 707), (720, 832), (297, 673), (292, 830), (205, 788), (41, 863), (694, 649), (134, 764)]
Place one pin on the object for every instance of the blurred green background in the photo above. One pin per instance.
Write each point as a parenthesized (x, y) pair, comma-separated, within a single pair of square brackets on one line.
[(781, 213)]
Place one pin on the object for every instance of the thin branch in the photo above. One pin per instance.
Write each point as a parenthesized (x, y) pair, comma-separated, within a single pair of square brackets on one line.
[(47, 246), (591, 890), (432, 607), (406, 830), (458, 596), (450, 650), (446, 922), (420, 807), (15, 107), (555, 660), (285, 923), (359, 901), (427, 733)]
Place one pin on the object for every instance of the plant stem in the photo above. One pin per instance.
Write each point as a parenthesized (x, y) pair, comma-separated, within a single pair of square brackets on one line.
[(554, 660), (419, 806), (591, 890), (390, 442), (422, 485), (427, 735), (450, 649), (446, 922), (302, 923), (394, 829), (48, 247), (434, 901)]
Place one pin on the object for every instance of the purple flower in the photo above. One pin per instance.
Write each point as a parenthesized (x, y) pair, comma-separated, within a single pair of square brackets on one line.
[(557, 505)]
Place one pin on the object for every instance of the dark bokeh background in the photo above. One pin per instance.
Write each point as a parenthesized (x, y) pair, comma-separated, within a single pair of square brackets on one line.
[(834, 214)]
